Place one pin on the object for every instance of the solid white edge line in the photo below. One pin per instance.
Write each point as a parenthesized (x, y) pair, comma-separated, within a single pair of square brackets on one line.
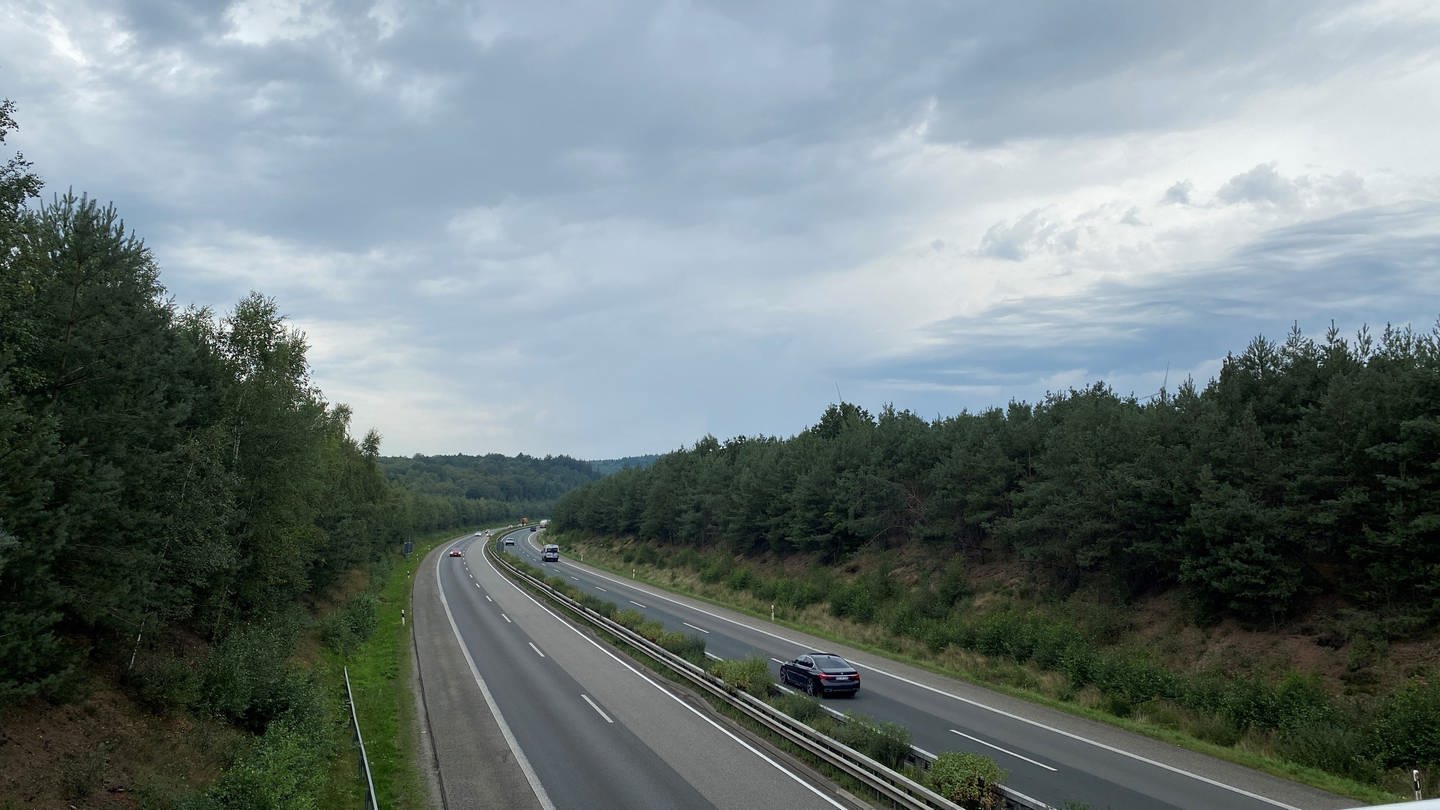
[(597, 708), (1037, 724), (536, 649), (693, 627), (1004, 751), (667, 693), (520, 759)]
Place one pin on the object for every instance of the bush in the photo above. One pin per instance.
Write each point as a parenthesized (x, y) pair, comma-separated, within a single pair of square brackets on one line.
[(691, 648), (161, 683), (351, 625), (1406, 731), (884, 742), (1338, 748), (965, 778), (801, 707), (246, 678), (747, 675)]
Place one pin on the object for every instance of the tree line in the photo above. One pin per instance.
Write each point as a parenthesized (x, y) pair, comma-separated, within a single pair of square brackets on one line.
[(1306, 467), (162, 470), (463, 490)]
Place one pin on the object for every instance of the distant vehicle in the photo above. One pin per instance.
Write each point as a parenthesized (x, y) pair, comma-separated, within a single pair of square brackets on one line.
[(532, 528), (551, 553), (544, 523), (509, 541), (821, 674), (455, 552), (479, 534)]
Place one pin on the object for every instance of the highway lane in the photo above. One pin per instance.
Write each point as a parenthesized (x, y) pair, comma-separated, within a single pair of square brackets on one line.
[(590, 729), (1051, 756)]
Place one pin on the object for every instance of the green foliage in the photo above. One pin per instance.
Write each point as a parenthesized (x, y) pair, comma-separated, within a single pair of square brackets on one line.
[(351, 625), (461, 491), (964, 778), (161, 683), (885, 742), (1406, 732), (801, 707), (1302, 468), (746, 675), (247, 679)]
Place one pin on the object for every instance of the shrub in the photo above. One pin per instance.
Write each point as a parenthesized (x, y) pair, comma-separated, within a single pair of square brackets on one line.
[(246, 678), (965, 778), (351, 625), (1338, 748), (1406, 731), (161, 683), (747, 675), (884, 742), (801, 707)]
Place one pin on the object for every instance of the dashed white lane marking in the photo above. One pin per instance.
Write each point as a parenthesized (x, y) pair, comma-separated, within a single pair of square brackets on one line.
[(693, 627), (536, 649), (597, 709), (1004, 751), (488, 599), (506, 618), (636, 604), (637, 673)]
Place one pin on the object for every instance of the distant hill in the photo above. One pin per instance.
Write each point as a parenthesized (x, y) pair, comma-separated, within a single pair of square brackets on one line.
[(610, 466), (511, 480)]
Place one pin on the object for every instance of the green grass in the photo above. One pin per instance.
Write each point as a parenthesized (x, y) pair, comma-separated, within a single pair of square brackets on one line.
[(379, 669)]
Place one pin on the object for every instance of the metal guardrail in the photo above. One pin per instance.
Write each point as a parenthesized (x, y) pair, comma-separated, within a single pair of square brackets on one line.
[(372, 802), (887, 782)]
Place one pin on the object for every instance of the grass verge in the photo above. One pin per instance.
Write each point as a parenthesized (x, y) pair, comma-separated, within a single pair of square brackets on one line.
[(379, 677)]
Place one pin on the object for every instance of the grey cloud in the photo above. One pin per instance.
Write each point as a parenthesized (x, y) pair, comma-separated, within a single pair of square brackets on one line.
[(1178, 194), (1032, 233), (1375, 266), (1261, 184)]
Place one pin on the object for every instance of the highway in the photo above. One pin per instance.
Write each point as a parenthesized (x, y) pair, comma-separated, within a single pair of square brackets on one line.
[(1051, 756), (583, 727)]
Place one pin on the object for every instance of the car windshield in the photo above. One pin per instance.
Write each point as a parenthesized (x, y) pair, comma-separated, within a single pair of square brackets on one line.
[(831, 662)]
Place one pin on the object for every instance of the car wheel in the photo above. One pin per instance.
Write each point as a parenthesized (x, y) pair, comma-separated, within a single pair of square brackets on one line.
[(815, 690)]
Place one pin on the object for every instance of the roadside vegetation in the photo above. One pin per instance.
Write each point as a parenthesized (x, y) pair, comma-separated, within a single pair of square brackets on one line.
[(1249, 566)]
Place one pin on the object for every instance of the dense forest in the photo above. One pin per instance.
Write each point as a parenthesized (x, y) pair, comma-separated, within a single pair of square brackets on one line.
[(465, 490), (1296, 494), (1304, 469), (610, 466)]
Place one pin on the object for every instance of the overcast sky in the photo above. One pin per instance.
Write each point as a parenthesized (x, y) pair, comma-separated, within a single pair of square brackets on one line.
[(610, 228)]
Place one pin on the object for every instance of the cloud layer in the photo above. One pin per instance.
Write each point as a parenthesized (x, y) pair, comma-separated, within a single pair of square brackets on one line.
[(604, 230)]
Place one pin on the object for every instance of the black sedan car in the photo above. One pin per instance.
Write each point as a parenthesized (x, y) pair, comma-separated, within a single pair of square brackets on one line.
[(821, 674)]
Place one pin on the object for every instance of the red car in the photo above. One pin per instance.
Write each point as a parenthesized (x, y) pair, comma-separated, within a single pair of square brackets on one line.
[(455, 552)]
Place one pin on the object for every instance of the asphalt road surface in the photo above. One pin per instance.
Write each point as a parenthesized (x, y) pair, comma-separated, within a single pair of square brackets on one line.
[(1052, 756), (526, 710)]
